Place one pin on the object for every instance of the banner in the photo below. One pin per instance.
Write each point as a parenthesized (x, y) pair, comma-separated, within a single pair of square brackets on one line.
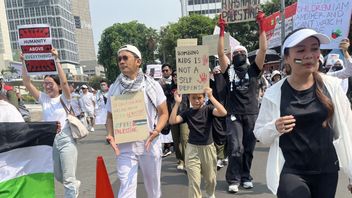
[(154, 71), (236, 11), (129, 117), (272, 25), (192, 64), (36, 44), (330, 17)]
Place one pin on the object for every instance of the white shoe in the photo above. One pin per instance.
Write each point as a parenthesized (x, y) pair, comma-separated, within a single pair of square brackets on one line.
[(247, 185), (233, 188), (180, 166), (219, 164), (92, 129)]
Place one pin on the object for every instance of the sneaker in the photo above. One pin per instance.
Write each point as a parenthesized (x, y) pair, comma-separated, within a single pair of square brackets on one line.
[(219, 164), (166, 153), (233, 188), (225, 161), (247, 185), (180, 166), (92, 129)]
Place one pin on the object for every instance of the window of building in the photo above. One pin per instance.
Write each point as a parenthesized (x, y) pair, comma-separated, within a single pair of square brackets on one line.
[(77, 22), (15, 14), (9, 14), (32, 13), (37, 11), (26, 12), (21, 14)]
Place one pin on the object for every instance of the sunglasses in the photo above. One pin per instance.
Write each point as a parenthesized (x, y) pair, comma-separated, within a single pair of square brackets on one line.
[(124, 58)]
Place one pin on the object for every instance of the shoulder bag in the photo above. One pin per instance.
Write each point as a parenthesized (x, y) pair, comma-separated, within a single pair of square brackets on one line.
[(78, 130)]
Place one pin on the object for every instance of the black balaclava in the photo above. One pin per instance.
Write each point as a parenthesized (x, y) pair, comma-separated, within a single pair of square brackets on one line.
[(240, 64)]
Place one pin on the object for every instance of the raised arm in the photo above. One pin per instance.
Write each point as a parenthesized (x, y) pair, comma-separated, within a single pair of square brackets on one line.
[(219, 110), (223, 62), (260, 58), (174, 118), (27, 81), (62, 76)]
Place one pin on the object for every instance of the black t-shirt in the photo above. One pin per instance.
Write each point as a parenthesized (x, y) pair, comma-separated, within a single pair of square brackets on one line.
[(242, 97), (308, 149), (200, 124), (219, 123)]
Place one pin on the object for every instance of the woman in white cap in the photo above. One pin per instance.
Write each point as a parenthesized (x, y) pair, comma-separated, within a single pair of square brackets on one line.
[(56, 95), (306, 119)]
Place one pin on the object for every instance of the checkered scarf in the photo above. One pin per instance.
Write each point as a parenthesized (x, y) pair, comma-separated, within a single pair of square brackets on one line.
[(131, 86)]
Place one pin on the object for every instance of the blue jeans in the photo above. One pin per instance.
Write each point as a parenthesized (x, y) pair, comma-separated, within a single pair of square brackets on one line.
[(65, 162)]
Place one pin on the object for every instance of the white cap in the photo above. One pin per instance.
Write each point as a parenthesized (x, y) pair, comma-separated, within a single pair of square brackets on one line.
[(300, 35), (338, 61), (132, 49), (84, 87), (274, 73)]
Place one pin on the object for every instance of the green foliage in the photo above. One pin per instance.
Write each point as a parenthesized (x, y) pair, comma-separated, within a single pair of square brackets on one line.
[(113, 37), (28, 99), (95, 82), (194, 26)]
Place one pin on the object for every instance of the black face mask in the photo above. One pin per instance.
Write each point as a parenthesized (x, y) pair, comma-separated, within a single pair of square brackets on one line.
[(239, 59)]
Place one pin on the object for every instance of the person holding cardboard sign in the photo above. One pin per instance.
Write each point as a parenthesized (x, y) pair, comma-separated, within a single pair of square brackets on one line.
[(65, 151), (200, 154), (145, 154), (241, 105)]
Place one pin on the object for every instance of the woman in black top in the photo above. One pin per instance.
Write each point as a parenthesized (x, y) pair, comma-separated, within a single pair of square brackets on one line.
[(304, 119)]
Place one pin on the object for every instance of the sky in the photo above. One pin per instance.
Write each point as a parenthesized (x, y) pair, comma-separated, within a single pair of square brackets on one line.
[(152, 13)]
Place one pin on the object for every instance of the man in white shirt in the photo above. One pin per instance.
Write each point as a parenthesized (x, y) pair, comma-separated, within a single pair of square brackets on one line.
[(88, 106)]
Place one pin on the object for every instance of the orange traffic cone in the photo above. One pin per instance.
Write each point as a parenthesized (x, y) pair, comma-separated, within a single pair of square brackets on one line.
[(103, 186)]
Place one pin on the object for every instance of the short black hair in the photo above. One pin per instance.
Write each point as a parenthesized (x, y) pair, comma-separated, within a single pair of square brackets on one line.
[(166, 65), (103, 80)]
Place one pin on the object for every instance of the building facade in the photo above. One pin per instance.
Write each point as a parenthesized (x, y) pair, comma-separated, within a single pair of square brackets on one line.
[(209, 8), (84, 33), (56, 13)]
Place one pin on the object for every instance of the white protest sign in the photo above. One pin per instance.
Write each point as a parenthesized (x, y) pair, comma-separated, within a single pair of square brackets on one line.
[(192, 64), (330, 17), (129, 117), (233, 42), (212, 42), (154, 71), (36, 44), (235, 11)]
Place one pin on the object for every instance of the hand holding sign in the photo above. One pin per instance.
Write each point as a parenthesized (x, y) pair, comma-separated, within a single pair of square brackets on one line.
[(55, 53), (260, 20), (222, 24), (344, 44)]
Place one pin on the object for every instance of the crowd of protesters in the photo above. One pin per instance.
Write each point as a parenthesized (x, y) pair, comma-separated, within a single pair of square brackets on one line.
[(301, 111)]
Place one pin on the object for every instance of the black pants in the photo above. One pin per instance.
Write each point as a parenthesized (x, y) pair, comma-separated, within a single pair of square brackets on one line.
[(241, 143), (307, 186)]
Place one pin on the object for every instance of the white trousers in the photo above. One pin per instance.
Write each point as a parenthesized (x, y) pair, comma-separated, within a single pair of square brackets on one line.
[(127, 171)]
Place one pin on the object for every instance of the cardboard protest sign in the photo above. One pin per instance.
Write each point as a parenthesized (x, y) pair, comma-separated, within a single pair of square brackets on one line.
[(331, 59), (129, 117), (154, 71), (272, 25), (330, 17), (235, 11), (187, 42), (192, 64), (36, 44), (212, 42)]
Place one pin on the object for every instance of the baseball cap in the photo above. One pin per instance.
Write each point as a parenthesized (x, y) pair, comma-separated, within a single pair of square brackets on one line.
[(240, 48), (298, 36), (132, 49), (84, 87)]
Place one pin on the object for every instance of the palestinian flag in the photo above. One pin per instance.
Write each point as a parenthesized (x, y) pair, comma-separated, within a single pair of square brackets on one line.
[(26, 166)]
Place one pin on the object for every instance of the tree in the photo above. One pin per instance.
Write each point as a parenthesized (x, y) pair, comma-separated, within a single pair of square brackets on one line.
[(193, 26), (119, 34), (95, 82)]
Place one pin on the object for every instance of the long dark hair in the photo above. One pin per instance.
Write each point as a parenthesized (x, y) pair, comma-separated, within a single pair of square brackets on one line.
[(324, 99)]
